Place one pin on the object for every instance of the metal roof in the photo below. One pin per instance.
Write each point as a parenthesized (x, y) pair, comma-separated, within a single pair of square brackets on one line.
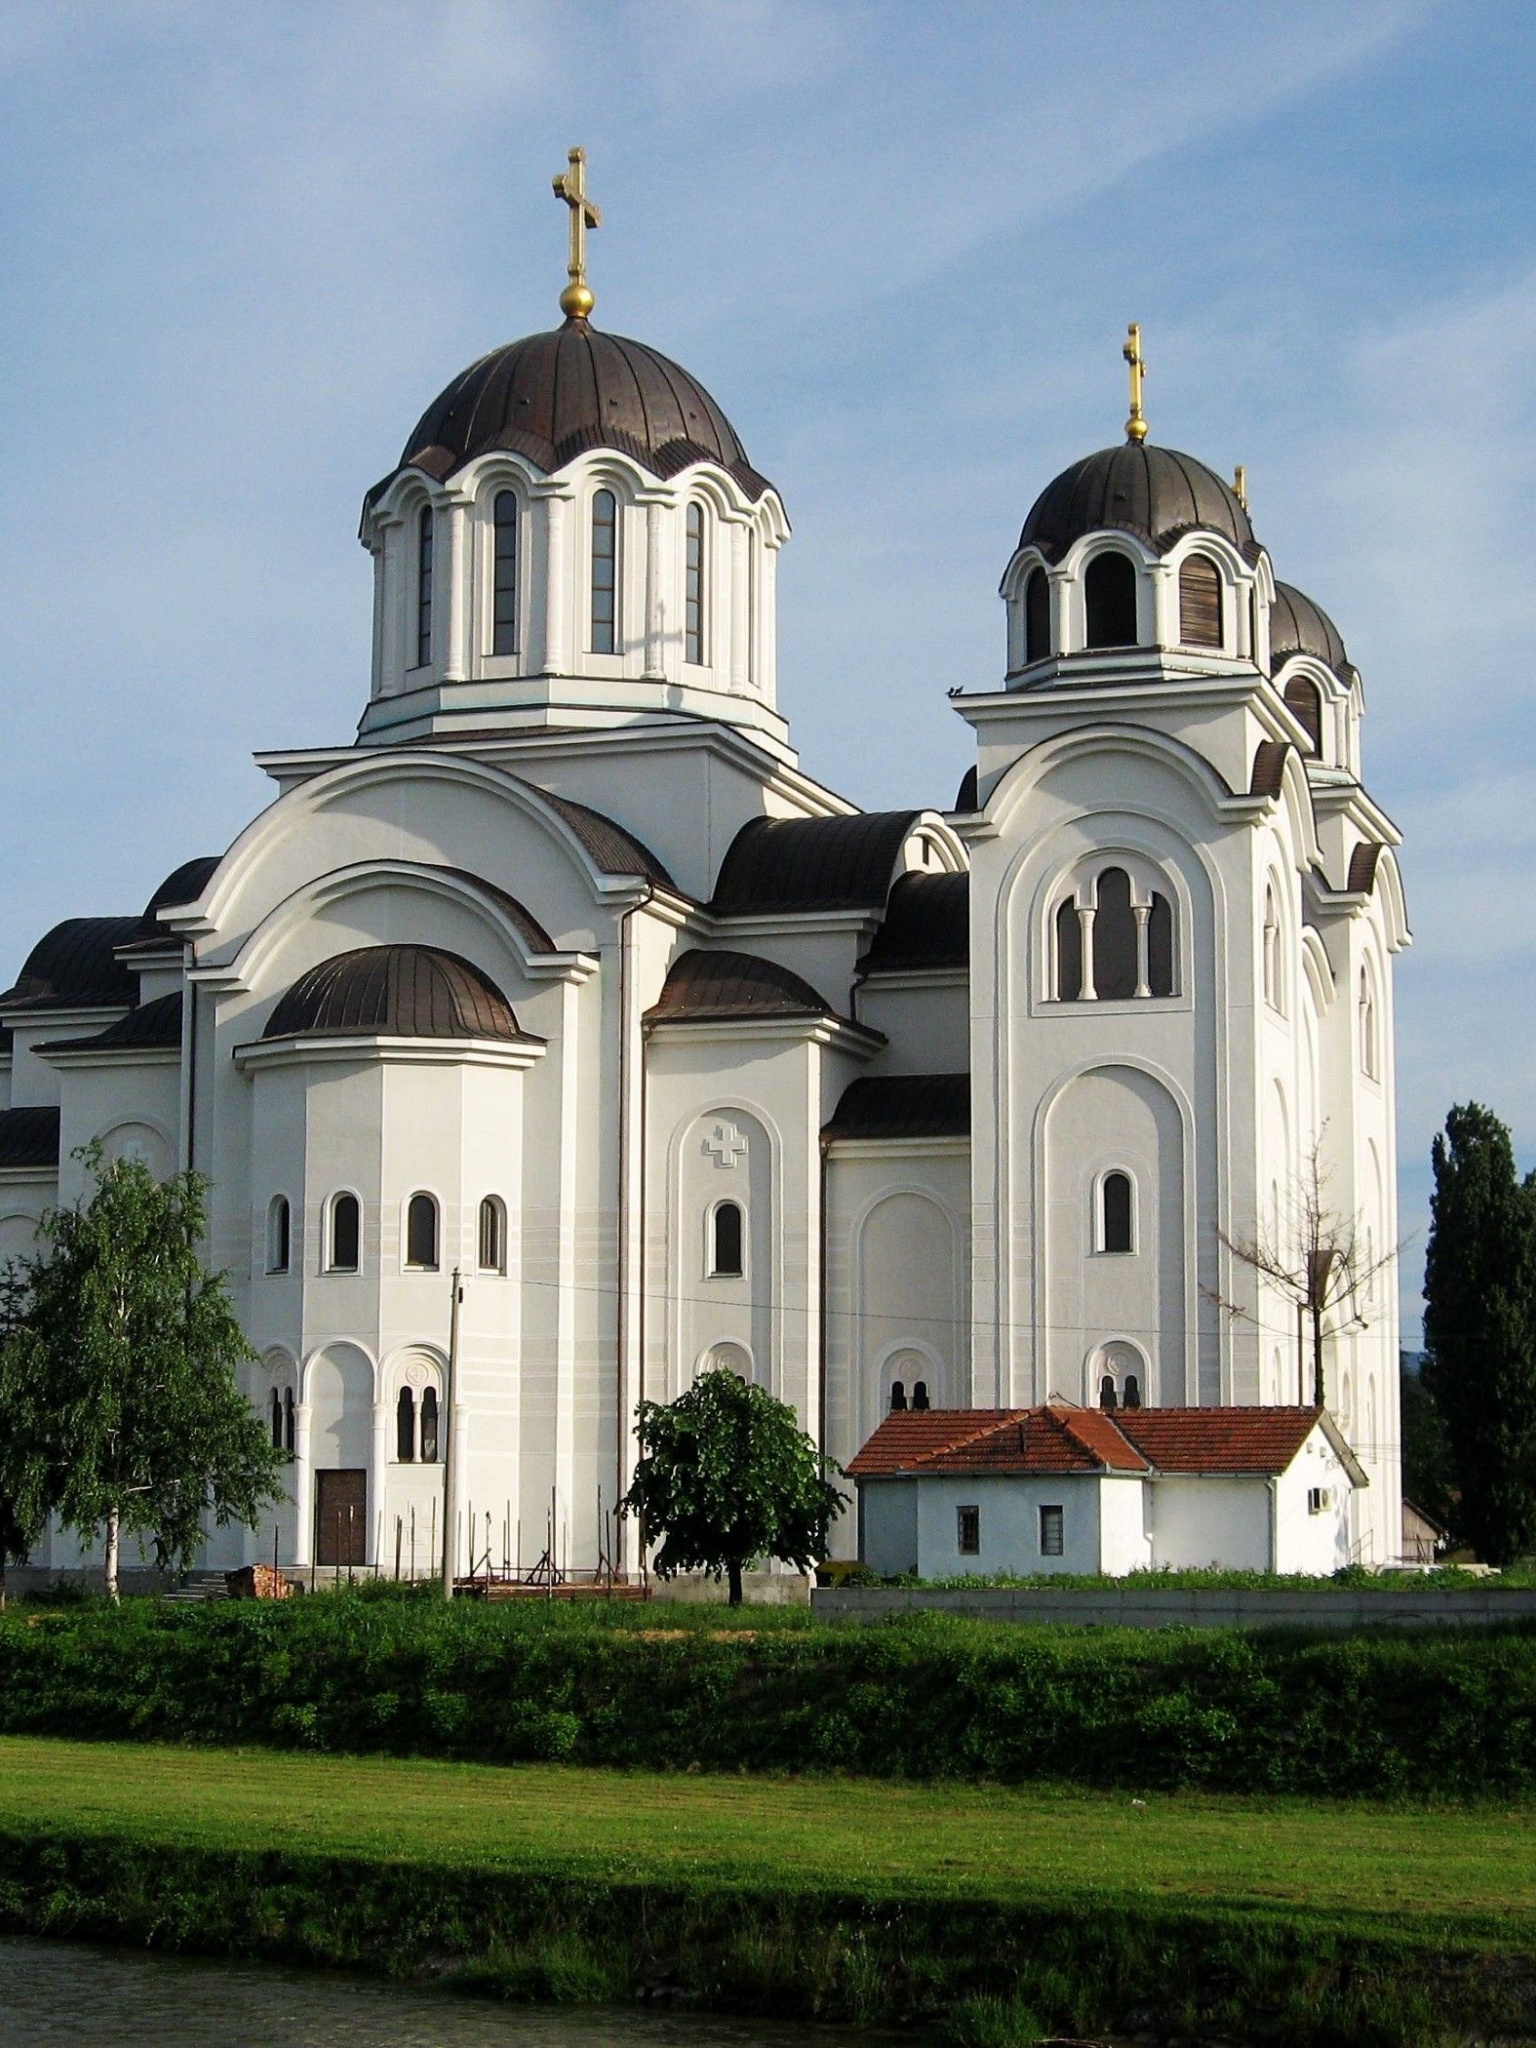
[(398, 992), (717, 987), (73, 967), (614, 848), (29, 1137), (1298, 626), (903, 1106), (1156, 493), (804, 864), (156, 1023), (551, 396), (927, 924), (1268, 776)]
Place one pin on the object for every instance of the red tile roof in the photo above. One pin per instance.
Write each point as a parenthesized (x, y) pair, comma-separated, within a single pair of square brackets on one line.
[(1057, 1439)]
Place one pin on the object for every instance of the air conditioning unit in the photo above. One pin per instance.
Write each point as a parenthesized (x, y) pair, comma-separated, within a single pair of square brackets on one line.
[(1319, 1499)]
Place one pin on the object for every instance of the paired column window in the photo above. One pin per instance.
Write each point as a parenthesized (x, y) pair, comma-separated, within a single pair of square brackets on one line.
[(1112, 949)]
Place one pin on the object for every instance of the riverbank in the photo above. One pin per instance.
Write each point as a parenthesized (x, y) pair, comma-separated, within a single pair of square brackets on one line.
[(994, 1914)]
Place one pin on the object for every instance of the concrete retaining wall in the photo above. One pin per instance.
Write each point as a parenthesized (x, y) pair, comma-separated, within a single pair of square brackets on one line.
[(1191, 1607)]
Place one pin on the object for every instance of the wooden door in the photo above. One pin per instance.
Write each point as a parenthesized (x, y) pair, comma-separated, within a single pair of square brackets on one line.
[(341, 1517)]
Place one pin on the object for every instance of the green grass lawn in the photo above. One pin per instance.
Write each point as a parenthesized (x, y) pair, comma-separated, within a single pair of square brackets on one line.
[(1467, 1873)]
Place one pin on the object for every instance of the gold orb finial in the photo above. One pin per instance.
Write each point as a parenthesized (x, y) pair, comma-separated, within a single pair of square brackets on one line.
[(1136, 425), (576, 301)]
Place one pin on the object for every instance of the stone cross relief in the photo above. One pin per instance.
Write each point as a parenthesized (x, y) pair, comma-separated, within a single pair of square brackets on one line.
[(725, 1144)]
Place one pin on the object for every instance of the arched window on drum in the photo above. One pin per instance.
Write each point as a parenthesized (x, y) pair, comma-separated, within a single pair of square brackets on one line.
[(1118, 945)]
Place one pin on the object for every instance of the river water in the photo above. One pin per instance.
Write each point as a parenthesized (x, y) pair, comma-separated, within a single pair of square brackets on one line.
[(52, 1993)]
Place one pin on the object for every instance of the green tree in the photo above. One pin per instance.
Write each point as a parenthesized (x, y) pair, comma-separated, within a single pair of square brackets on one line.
[(726, 1475), (1480, 1329), (121, 1366), (1428, 1480), (26, 1489)]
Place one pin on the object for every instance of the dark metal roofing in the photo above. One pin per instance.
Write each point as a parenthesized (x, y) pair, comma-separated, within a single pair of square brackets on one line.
[(1298, 626), (967, 796), (398, 991), (519, 914), (790, 864), (715, 987), (904, 1106), (927, 924), (1362, 869), (183, 885), (1268, 767), (1156, 493), (72, 967), (551, 396), (614, 849), (29, 1137), (155, 1023)]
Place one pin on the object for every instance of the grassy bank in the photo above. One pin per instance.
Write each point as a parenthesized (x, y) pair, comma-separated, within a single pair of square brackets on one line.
[(908, 1904), (1435, 1714)]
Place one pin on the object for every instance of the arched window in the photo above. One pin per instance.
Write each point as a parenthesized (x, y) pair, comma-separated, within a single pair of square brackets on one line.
[(605, 573), (920, 1396), (725, 1241), (1115, 966), (429, 1425), (1108, 1398), (504, 613), (693, 596), (1302, 699), (288, 1420), (421, 1232), (277, 1420), (898, 1398), (1271, 950), (1199, 602), (1369, 1058), (1115, 1207), (346, 1234), (1069, 953), (405, 1427), (1037, 616), (279, 1231), (1109, 595), (493, 1235), (1160, 946), (1132, 1391), (424, 587)]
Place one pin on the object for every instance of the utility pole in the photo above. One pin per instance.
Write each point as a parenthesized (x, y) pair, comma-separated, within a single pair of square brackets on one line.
[(450, 1397)]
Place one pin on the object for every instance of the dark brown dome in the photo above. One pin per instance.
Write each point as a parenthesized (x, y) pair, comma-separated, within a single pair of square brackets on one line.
[(1298, 626), (551, 396), (1155, 493), (398, 992)]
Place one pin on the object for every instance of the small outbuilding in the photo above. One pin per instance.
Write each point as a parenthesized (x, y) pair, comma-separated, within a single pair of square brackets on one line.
[(948, 1492)]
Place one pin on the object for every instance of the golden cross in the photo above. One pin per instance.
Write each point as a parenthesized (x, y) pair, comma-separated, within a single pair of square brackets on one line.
[(576, 301), (1135, 426), (1240, 484)]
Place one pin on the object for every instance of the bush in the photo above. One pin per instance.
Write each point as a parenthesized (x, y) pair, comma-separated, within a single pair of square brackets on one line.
[(1433, 1714)]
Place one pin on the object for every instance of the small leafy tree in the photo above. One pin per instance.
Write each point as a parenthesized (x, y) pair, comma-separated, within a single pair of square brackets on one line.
[(1480, 1329), (121, 1367), (26, 1482), (727, 1475)]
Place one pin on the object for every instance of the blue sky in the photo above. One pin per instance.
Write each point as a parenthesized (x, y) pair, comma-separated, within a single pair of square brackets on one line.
[(242, 247)]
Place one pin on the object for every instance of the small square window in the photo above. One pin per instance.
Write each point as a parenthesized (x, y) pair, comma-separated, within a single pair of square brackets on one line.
[(968, 1531), (1052, 1532)]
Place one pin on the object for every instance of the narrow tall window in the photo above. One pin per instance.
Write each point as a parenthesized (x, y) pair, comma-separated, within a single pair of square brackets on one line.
[(968, 1531), (279, 1232), (1069, 953), (1200, 623), (1052, 1532), (1037, 616), (1108, 1398), (1368, 1055), (288, 1420), (424, 587), (405, 1427), (1132, 1391), (277, 1420), (429, 1426), (493, 1236), (1271, 950), (693, 596), (1160, 947), (1306, 706), (1115, 974), (605, 578), (346, 1234), (898, 1398), (920, 1396), (421, 1232), (1109, 595), (726, 1241), (504, 615), (1115, 1213)]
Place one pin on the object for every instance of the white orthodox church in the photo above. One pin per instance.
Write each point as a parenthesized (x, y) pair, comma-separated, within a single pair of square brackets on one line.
[(566, 974)]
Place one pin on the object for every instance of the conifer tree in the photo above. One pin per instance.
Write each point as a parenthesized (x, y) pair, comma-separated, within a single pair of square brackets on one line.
[(120, 1368), (1480, 1329)]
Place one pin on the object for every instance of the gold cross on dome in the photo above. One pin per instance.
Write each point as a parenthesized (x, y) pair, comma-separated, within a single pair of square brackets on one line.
[(1136, 425), (576, 301)]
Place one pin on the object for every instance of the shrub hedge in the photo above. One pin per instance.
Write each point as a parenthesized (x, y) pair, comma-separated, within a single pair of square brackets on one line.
[(1430, 1715)]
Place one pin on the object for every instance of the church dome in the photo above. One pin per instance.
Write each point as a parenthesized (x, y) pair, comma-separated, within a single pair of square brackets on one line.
[(397, 992), (552, 396), (1298, 626), (1155, 493)]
